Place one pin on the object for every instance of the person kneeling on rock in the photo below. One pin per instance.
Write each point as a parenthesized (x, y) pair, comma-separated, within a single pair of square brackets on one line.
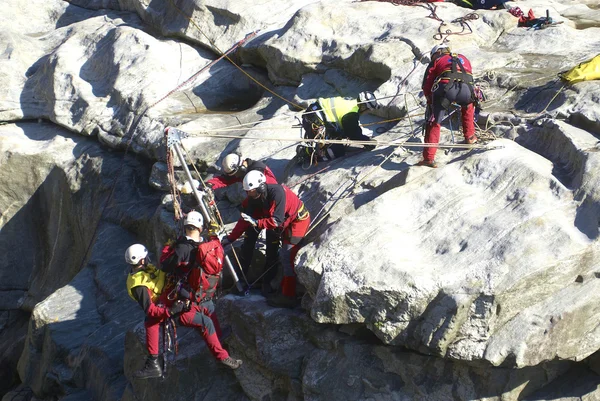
[(236, 168), (334, 118)]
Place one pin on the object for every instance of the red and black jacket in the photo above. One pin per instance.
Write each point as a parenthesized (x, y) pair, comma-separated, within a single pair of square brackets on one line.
[(446, 68), (196, 266), (182, 259), (223, 181), (143, 296), (274, 210)]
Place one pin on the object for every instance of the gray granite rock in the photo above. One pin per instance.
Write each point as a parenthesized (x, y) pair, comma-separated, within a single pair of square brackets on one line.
[(477, 280)]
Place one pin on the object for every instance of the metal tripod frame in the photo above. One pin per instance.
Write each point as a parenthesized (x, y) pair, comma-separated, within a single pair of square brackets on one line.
[(174, 137)]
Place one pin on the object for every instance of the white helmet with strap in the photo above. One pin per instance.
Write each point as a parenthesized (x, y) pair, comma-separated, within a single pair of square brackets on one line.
[(194, 219), (439, 47), (368, 99), (135, 253), (253, 180), (231, 163)]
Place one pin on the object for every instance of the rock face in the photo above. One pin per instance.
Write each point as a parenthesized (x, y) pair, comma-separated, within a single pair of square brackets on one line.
[(454, 275), (103, 75), (478, 280)]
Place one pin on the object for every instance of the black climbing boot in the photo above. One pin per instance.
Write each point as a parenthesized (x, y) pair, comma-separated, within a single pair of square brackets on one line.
[(151, 370)]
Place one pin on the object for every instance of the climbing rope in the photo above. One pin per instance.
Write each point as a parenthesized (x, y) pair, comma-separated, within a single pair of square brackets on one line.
[(244, 127), (551, 100), (170, 343), (230, 60), (462, 21), (217, 213), (443, 36), (193, 77), (402, 144), (490, 76), (346, 141), (246, 73), (131, 133), (287, 127), (172, 185), (318, 217)]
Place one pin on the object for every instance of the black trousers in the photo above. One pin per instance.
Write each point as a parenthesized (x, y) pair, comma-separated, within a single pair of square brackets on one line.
[(273, 240), (446, 94)]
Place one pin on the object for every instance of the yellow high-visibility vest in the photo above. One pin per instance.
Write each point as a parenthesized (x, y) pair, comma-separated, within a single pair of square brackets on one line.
[(337, 107), (150, 277)]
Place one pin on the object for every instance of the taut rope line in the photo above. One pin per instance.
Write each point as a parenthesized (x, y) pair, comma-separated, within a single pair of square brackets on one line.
[(350, 142)]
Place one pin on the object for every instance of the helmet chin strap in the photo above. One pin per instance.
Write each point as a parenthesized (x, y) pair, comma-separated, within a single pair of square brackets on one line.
[(262, 190), (138, 268), (241, 171)]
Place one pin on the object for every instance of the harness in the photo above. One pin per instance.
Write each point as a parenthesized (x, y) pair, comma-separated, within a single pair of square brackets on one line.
[(313, 123), (453, 75), (302, 213), (315, 118), (204, 295)]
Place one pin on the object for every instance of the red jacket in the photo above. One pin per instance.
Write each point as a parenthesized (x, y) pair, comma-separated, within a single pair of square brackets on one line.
[(223, 181), (438, 67), (275, 210)]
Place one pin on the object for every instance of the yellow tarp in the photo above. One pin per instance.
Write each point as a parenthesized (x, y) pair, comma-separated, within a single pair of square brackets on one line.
[(587, 71)]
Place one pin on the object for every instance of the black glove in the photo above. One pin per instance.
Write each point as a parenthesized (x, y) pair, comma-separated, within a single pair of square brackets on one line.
[(176, 308)]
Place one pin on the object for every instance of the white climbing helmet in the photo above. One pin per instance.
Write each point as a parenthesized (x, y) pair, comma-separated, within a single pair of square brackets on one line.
[(194, 219), (135, 253), (368, 99), (437, 48), (231, 163), (253, 180)]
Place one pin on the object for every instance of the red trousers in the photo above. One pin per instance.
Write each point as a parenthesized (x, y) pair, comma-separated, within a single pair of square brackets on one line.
[(201, 316), (432, 132), (291, 245)]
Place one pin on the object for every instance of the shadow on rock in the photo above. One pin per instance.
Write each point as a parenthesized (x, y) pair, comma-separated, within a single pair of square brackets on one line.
[(540, 98)]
